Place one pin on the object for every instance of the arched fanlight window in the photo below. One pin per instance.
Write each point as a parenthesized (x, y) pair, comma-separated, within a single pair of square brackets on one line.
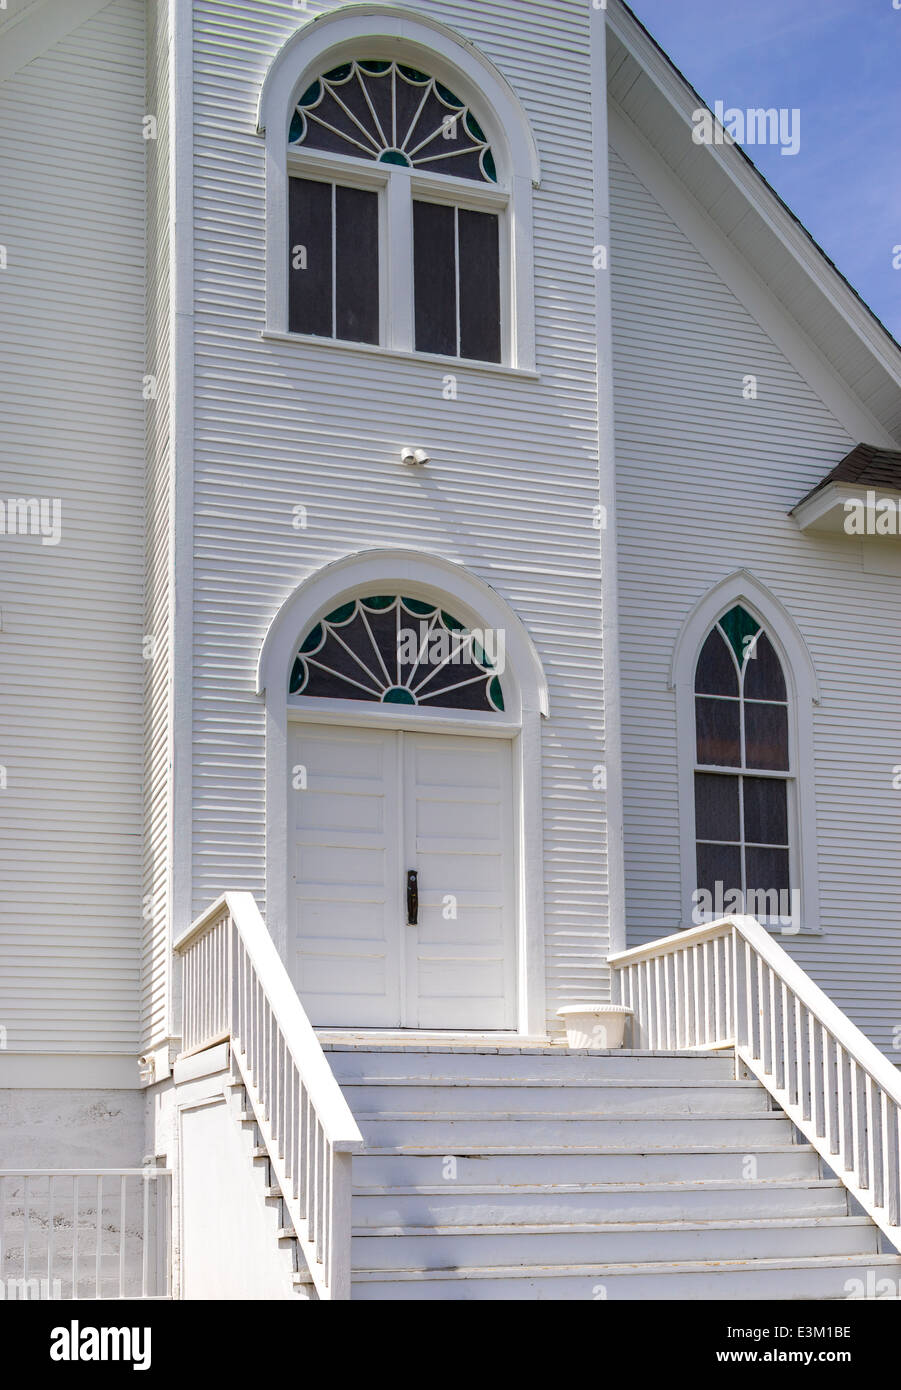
[(384, 159), (743, 771), (394, 650), (385, 111)]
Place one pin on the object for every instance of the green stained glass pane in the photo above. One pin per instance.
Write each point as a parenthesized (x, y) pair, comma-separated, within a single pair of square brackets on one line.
[(339, 74), (298, 676), (412, 74), (481, 656), (311, 95), (398, 695), (378, 603), (738, 625), (474, 128), (451, 623), (416, 605), (447, 95), (489, 168), (376, 65), (298, 127), (394, 157), (496, 694), (342, 614), (313, 640)]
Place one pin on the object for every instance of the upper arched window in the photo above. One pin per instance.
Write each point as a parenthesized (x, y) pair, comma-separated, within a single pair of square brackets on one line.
[(383, 160), (395, 650), (399, 173)]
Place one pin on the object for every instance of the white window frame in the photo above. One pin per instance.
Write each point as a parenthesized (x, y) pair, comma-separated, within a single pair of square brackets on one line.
[(432, 47), (398, 188), (803, 693)]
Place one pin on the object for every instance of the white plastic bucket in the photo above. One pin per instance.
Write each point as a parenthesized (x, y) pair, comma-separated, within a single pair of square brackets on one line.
[(600, 1027)]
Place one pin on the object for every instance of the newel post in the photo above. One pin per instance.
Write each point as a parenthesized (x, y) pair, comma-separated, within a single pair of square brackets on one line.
[(340, 1236)]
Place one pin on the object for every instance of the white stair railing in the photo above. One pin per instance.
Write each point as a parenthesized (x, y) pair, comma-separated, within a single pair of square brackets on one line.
[(729, 984), (236, 988), (85, 1233)]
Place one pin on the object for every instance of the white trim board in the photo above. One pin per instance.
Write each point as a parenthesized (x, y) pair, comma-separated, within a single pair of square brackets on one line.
[(711, 242), (60, 1071)]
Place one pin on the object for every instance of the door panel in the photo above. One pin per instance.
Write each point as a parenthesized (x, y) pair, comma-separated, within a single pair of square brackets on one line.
[(375, 805), (346, 874), (459, 836)]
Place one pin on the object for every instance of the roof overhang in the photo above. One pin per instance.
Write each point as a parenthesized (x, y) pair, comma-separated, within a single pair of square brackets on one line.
[(851, 510)]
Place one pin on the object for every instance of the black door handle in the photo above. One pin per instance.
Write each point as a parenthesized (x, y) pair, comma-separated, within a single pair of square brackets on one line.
[(412, 898)]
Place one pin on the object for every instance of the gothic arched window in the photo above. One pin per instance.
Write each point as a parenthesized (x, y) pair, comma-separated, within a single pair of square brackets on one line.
[(743, 769)]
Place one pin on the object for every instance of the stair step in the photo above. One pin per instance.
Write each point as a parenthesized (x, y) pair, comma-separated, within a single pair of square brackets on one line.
[(432, 1248), (510, 1067), (455, 1204), (510, 1167), (551, 1100), (802, 1277), (559, 1134)]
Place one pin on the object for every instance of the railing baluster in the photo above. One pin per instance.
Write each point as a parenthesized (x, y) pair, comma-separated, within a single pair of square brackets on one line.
[(123, 1193), (98, 1271)]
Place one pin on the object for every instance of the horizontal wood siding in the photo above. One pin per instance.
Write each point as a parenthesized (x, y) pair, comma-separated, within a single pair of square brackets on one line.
[(72, 428), (705, 482), (510, 491)]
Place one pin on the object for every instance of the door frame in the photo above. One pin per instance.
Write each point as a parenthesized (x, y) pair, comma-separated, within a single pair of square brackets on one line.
[(430, 577)]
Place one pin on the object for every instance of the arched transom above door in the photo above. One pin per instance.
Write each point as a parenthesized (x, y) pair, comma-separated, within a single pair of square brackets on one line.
[(396, 650)]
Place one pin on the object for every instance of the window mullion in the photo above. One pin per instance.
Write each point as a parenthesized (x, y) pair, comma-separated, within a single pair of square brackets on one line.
[(399, 205)]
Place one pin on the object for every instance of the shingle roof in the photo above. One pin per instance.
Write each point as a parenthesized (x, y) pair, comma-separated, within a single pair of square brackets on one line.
[(866, 466)]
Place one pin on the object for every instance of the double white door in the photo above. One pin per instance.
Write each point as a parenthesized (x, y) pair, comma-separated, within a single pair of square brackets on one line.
[(402, 878)]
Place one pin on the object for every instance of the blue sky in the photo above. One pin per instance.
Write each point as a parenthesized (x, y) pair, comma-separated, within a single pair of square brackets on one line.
[(839, 63)]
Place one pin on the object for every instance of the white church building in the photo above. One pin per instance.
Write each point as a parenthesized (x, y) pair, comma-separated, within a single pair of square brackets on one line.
[(449, 574)]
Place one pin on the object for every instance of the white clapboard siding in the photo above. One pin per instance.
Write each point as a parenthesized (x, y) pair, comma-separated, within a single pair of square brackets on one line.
[(705, 482), (158, 593), (510, 491), (71, 427)]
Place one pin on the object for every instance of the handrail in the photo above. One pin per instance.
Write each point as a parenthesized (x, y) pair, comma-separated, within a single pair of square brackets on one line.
[(236, 988), (730, 984)]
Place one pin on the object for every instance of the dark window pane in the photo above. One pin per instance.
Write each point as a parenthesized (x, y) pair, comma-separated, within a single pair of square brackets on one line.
[(310, 257), (763, 674), (767, 872), (766, 810), (766, 736), (719, 738), (357, 265), (480, 286), (719, 865), (716, 673), (716, 807), (434, 277)]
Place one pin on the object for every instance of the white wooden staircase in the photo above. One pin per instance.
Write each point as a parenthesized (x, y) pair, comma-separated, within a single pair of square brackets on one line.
[(699, 1167)]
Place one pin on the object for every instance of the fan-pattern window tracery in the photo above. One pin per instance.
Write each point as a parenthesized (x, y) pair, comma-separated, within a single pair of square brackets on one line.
[(394, 650), (393, 114)]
